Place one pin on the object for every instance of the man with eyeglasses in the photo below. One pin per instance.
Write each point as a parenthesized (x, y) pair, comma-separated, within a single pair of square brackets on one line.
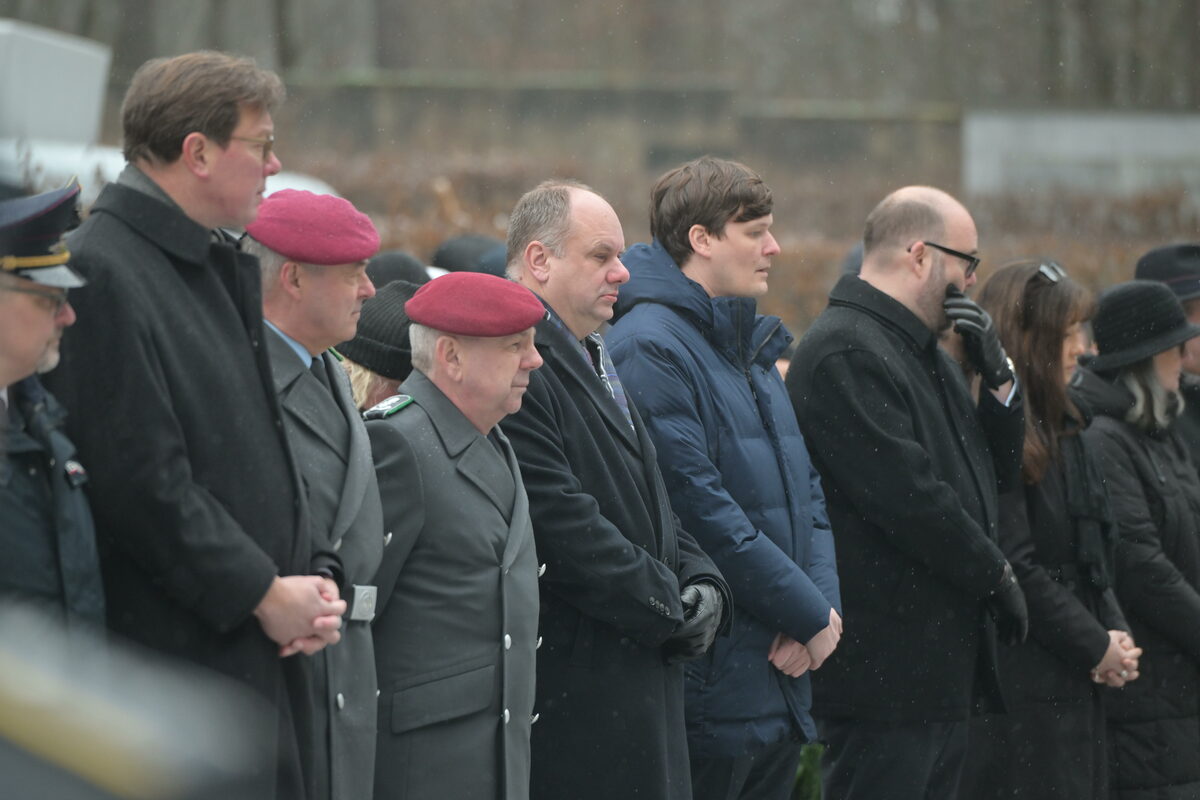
[(46, 529), (204, 543), (911, 464)]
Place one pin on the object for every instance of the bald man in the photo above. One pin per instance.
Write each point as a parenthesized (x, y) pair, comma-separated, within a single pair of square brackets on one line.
[(911, 465)]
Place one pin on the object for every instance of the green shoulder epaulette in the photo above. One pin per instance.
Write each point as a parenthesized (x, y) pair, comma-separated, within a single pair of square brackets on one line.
[(388, 407)]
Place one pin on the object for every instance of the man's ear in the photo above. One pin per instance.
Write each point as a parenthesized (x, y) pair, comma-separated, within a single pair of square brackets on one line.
[(920, 260), (290, 278), (537, 261), (448, 356), (197, 153), (700, 239)]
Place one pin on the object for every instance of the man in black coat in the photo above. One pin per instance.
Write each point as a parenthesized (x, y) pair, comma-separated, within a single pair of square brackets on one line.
[(626, 593), (47, 535), (911, 466), (203, 546)]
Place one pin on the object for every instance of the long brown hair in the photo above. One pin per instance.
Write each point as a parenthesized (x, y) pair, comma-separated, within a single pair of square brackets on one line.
[(1033, 302)]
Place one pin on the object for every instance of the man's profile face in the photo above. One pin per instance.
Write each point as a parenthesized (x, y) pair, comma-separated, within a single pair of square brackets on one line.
[(947, 270), (496, 374), (333, 298), (583, 282), (32, 321), (741, 258), (239, 173)]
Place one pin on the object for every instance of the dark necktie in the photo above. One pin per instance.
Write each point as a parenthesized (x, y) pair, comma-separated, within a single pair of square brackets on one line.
[(607, 373), (318, 370)]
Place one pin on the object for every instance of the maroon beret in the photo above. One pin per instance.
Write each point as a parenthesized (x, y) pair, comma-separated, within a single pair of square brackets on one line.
[(474, 304), (314, 228)]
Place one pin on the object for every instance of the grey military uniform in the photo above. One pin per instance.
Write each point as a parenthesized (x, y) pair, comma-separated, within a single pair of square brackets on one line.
[(333, 456), (458, 596)]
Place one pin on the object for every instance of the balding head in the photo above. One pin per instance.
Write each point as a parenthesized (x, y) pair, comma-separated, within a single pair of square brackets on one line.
[(907, 215), (905, 247)]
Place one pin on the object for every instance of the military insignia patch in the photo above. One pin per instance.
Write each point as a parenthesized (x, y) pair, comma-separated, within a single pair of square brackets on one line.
[(388, 407)]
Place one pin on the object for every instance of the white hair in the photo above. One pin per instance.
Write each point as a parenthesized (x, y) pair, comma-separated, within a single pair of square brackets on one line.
[(422, 340), (269, 262), (1154, 406)]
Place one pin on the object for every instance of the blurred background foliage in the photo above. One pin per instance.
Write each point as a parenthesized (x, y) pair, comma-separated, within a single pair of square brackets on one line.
[(434, 117)]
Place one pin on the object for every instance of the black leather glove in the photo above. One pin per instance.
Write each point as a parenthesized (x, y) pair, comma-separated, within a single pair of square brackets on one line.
[(980, 340), (1007, 606), (702, 610)]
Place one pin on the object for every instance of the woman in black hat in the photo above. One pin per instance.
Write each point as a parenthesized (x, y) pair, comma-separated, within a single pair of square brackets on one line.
[(379, 357), (1132, 389), (1058, 534)]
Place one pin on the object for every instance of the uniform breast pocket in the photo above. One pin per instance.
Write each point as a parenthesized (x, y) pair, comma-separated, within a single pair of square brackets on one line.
[(443, 698)]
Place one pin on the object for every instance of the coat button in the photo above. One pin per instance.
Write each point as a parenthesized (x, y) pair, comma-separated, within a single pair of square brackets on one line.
[(539, 643), (507, 642), (534, 718), (387, 538), (542, 570), (341, 701), (337, 545), (376, 694), (505, 716)]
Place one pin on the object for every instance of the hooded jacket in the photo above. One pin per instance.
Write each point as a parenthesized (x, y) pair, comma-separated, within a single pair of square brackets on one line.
[(702, 371), (1154, 722)]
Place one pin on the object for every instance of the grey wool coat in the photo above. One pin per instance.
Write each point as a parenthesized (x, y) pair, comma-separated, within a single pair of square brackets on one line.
[(333, 455), (458, 595)]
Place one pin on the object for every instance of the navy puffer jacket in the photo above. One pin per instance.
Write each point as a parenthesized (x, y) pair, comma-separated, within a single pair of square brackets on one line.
[(702, 373)]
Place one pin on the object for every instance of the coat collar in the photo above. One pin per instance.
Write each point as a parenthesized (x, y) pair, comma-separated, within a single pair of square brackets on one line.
[(167, 227), (474, 456), (300, 394), (852, 291), (731, 324), (564, 350)]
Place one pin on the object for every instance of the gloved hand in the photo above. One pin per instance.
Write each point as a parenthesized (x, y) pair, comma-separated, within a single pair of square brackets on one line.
[(702, 610), (1007, 606), (980, 339)]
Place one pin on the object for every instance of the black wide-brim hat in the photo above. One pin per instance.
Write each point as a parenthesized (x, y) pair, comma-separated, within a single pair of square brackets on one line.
[(1176, 265), (1135, 321), (31, 230), (381, 343)]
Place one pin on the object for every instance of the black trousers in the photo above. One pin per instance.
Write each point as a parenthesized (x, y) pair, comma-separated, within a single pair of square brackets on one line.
[(766, 775), (866, 760)]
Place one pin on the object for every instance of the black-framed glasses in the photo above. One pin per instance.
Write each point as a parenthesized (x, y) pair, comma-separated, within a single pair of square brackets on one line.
[(972, 261), (59, 298), (268, 144), (1051, 271)]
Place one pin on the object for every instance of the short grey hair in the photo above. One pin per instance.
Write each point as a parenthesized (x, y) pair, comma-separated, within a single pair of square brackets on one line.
[(269, 262), (543, 214), (423, 341), (1154, 406)]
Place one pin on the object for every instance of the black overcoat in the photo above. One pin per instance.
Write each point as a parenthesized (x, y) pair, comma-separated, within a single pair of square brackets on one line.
[(610, 709), (172, 407), (910, 467), (1154, 722)]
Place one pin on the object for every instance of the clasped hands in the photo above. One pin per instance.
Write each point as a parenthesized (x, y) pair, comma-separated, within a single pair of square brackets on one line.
[(794, 659), (301, 613), (1120, 662)]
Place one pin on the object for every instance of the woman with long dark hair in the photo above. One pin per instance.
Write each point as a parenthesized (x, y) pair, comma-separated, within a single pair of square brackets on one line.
[(1058, 534), (1132, 389)]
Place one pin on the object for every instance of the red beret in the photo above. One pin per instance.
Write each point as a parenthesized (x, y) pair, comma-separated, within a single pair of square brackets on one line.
[(314, 228), (475, 304)]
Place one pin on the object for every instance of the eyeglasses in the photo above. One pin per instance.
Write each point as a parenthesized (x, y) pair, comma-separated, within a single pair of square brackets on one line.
[(268, 144), (59, 299), (1050, 271), (972, 261)]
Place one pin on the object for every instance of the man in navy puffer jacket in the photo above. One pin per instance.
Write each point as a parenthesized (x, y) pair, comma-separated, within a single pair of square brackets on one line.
[(700, 364)]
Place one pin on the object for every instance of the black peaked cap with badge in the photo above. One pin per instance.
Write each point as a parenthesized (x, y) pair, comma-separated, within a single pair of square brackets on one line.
[(31, 230)]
